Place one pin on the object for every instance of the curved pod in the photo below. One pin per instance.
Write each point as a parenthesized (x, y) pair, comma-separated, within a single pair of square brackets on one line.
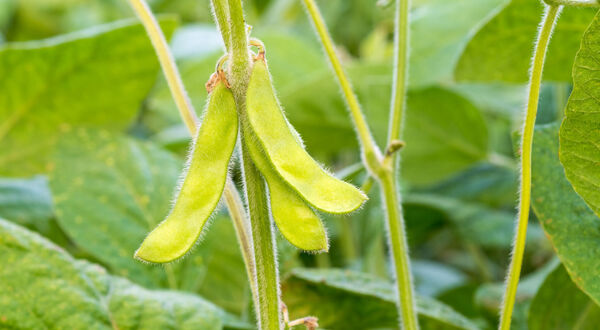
[(203, 184), (296, 221), (284, 150)]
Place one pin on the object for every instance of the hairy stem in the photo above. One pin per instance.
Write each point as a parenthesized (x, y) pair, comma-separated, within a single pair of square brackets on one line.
[(399, 251), (535, 81), (186, 110), (221, 12), (384, 169), (267, 277), (573, 3), (371, 152)]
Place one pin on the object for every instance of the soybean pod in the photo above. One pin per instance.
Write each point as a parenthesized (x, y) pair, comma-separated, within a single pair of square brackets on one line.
[(203, 184), (296, 221), (285, 152)]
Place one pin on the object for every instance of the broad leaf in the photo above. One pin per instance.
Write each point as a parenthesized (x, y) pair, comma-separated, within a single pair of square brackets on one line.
[(43, 287), (559, 304), (501, 50), (342, 299), (579, 136), (474, 223), (109, 193), (433, 58), (96, 77), (26, 201), (569, 223)]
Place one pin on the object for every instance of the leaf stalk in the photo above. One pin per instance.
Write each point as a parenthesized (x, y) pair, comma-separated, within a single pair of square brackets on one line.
[(535, 81)]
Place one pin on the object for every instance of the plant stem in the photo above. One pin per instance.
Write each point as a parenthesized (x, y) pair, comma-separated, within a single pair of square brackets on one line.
[(267, 277), (401, 41), (535, 81), (573, 3), (380, 167), (371, 152), (186, 110), (399, 250), (221, 13), (242, 230)]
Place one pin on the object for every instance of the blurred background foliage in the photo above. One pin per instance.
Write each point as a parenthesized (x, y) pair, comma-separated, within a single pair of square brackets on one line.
[(91, 145)]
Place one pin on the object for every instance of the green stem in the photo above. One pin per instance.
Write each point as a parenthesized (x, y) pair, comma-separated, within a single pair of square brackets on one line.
[(399, 250), (535, 81), (186, 110), (188, 114), (385, 169), (267, 277), (371, 153), (221, 13), (573, 3), (242, 231), (401, 40)]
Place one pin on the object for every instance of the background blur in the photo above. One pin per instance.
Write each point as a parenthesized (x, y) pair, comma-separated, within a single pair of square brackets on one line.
[(91, 145)]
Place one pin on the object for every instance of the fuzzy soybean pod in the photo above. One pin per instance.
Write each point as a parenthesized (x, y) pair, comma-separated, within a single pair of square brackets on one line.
[(287, 155), (296, 221), (203, 184)]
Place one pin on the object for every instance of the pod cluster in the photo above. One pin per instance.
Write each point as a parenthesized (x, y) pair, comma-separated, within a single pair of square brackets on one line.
[(297, 184)]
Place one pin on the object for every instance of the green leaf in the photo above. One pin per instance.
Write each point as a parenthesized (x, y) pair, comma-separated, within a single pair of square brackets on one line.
[(342, 299), (110, 192), (474, 223), (568, 222), (559, 304), (433, 58), (97, 77), (27, 202), (501, 50), (579, 139), (43, 287)]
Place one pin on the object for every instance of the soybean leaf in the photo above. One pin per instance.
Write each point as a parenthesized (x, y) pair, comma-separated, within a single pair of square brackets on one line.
[(501, 50), (487, 184), (342, 299), (570, 224), (579, 139), (109, 193), (97, 77), (441, 125), (559, 304), (44, 287), (475, 223), (27, 202), (433, 58)]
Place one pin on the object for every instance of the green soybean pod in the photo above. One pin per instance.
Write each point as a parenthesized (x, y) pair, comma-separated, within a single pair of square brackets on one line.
[(203, 184), (296, 221), (284, 150)]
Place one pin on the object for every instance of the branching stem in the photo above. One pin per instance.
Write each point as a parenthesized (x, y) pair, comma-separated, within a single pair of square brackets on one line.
[(384, 169)]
